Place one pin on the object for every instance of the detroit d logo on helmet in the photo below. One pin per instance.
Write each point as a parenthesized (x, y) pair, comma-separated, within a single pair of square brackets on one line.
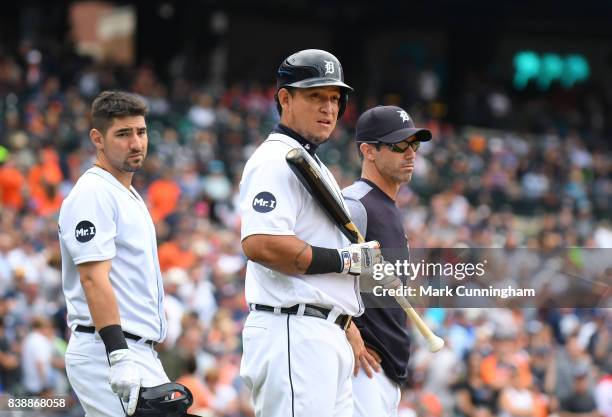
[(329, 67)]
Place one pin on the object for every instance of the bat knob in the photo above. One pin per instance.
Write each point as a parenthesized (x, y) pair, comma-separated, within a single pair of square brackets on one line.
[(435, 343), (294, 154)]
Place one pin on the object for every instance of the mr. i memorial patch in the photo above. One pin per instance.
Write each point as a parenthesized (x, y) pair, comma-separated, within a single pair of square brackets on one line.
[(85, 231)]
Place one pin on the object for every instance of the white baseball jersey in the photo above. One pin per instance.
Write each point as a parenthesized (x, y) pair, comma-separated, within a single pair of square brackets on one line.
[(99, 220), (274, 202)]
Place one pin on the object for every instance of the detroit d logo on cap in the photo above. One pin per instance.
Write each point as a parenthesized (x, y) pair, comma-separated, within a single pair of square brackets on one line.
[(85, 231), (264, 202)]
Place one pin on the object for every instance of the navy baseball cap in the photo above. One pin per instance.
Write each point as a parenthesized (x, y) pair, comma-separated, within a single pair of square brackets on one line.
[(388, 124)]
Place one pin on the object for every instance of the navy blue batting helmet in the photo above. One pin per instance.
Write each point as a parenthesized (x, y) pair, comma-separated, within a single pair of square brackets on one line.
[(165, 400), (313, 68)]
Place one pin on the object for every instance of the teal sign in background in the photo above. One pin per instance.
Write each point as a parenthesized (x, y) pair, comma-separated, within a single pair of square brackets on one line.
[(545, 68)]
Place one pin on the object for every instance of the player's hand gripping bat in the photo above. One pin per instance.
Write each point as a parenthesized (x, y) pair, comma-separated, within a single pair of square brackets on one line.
[(309, 174)]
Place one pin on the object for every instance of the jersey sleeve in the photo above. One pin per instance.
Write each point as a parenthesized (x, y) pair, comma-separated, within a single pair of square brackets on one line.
[(358, 213), (270, 199), (88, 226)]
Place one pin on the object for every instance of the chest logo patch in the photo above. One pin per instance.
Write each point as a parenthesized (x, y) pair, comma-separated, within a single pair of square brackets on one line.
[(264, 202), (85, 231)]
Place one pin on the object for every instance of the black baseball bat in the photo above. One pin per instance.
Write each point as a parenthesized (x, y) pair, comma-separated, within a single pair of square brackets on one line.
[(311, 177)]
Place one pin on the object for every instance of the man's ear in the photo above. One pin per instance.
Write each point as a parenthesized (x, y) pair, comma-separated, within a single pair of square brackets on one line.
[(96, 138), (368, 151), (283, 98)]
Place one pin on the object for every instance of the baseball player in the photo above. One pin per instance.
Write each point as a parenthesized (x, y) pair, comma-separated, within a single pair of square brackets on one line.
[(110, 271), (301, 289), (387, 141)]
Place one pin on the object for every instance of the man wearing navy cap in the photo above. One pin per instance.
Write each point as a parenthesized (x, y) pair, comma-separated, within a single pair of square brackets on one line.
[(387, 141)]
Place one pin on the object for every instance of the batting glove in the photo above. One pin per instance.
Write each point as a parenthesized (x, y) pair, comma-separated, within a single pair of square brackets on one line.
[(360, 257), (390, 281), (124, 378), (370, 282)]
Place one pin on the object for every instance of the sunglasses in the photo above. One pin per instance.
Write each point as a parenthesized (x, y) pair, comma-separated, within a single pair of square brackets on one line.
[(401, 147)]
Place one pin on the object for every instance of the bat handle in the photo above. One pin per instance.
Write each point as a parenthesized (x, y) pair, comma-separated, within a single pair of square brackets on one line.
[(360, 238), (434, 343)]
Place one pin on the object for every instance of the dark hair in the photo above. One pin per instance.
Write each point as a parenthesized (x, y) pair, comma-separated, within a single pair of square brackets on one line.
[(361, 156), (111, 104)]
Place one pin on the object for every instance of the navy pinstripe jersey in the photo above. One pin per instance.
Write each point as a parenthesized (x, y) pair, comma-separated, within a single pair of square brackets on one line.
[(383, 329)]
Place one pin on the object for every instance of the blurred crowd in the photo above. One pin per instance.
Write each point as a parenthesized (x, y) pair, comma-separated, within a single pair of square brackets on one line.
[(478, 187)]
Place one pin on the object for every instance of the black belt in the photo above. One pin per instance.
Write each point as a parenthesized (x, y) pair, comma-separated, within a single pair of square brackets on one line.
[(343, 320), (128, 335)]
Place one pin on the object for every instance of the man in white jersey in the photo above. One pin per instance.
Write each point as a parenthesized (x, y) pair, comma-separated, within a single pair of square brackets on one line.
[(110, 270), (301, 289)]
